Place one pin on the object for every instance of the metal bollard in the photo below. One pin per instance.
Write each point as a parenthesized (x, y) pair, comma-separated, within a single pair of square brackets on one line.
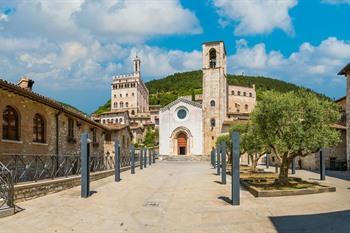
[(141, 158), (293, 166), (116, 161), (322, 166), (132, 157), (267, 160), (154, 156), (235, 169), (218, 161), (145, 158), (85, 168), (149, 157), (223, 162), (212, 155)]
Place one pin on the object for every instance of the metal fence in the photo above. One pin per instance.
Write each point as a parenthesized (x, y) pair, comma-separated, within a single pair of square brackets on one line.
[(6, 188), (26, 168)]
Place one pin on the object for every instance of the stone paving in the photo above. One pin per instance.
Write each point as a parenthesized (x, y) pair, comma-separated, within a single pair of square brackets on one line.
[(175, 196)]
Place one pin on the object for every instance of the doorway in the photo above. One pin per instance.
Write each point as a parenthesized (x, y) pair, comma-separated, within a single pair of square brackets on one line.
[(182, 143)]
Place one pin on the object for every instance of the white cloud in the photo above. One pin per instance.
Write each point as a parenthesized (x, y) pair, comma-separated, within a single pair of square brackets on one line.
[(256, 16), (134, 20), (3, 17), (310, 65), (122, 21), (157, 62)]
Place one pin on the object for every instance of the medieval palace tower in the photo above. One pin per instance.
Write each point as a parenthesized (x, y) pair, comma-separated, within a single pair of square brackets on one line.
[(214, 92), (129, 92)]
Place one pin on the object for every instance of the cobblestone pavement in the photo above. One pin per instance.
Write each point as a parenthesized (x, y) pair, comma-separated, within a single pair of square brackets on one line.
[(175, 196)]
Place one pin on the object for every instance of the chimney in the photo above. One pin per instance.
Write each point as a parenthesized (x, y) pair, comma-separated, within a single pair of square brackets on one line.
[(26, 83), (254, 86)]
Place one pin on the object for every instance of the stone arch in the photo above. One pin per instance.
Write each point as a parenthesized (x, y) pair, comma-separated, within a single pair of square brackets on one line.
[(183, 132)]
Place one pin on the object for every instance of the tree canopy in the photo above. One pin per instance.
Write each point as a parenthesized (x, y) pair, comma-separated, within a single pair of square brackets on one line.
[(294, 124)]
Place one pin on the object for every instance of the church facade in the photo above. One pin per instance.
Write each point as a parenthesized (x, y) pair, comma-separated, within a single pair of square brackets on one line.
[(192, 128)]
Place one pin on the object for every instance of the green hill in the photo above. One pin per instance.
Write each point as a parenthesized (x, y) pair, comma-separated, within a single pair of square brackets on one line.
[(168, 89)]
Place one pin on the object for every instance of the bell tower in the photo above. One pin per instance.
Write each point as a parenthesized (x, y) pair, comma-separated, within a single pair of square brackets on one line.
[(137, 65), (214, 92)]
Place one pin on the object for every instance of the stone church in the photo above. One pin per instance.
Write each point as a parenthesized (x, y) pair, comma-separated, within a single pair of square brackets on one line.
[(189, 127)]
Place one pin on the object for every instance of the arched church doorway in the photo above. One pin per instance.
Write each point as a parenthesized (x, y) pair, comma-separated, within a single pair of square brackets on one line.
[(182, 143)]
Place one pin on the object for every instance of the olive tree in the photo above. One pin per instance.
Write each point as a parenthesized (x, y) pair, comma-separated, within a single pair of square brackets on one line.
[(294, 124)]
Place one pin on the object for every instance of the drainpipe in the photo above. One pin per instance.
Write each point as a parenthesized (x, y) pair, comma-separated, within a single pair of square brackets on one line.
[(57, 136)]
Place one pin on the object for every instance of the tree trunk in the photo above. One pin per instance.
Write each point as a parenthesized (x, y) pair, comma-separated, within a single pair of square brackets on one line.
[(254, 163), (283, 176)]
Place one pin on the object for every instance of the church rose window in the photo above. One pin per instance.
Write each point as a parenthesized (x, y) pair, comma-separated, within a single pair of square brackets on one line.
[(181, 114), (212, 103)]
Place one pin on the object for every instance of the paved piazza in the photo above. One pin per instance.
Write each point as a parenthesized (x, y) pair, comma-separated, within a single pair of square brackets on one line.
[(181, 197)]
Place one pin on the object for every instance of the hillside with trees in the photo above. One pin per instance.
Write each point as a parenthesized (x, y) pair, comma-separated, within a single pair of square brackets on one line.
[(164, 91)]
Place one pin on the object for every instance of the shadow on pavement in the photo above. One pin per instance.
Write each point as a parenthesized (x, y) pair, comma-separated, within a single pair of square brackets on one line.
[(332, 222), (225, 199)]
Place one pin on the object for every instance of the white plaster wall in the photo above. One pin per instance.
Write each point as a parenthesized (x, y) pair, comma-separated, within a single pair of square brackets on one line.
[(168, 122)]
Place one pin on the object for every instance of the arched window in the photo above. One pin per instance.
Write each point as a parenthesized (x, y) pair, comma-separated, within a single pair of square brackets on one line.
[(233, 92), (132, 112), (212, 58), (10, 124), (238, 93), (115, 105), (250, 94), (212, 103), (126, 104), (121, 105), (212, 122), (244, 93), (246, 107), (38, 129)]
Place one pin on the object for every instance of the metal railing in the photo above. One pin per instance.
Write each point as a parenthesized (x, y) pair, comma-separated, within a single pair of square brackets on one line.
[(25, 168), (6, 188)]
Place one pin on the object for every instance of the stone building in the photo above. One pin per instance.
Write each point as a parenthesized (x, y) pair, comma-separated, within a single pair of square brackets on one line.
[(221, 105), (121, 133), (346, 72), (129, 91), (32, 124), (130, 104)]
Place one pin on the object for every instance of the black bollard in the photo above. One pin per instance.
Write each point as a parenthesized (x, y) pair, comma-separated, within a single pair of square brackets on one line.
[(322, 166), (149, 157), (116, 161), (154, 156), (141, 158), (293, 166), (223, 162), (145, 157), (85, 168), (267, 157), (132, 157), (212, 157), (235, 173), (218, 160)]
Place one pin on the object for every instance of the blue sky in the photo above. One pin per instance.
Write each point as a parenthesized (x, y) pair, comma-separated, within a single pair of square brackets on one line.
[(73, 48)]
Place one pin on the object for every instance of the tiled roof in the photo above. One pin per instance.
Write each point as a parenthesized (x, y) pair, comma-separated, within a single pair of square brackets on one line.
[(45, 100), (345, 70)]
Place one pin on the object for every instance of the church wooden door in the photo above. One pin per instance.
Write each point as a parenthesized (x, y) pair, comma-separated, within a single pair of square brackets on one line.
[(182, 143)]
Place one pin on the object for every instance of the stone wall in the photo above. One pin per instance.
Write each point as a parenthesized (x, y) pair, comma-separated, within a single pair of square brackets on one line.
[(241, 97), (26, 109), (28, 191)]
